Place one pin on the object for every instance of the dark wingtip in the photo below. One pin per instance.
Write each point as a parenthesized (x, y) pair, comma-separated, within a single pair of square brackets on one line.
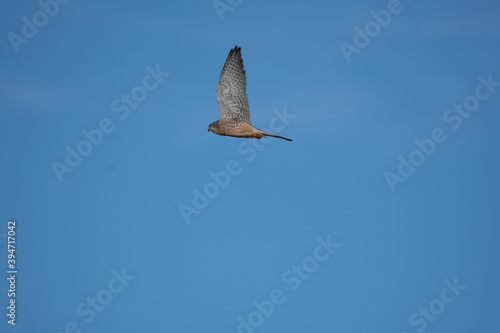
[(236, 49)]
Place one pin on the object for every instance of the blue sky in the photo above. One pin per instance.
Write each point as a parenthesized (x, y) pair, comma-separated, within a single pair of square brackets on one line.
[(381, 216)]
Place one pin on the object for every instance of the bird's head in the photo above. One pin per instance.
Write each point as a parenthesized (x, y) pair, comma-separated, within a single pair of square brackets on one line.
[(213, 126)]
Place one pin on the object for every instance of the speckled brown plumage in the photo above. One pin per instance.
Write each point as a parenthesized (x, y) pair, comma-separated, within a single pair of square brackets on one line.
[(233, 101)]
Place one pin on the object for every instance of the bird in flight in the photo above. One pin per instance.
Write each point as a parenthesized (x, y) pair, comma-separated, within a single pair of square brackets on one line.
[(233, 102)]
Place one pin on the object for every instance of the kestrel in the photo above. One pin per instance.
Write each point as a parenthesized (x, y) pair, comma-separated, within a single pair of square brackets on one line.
[(233, 102)]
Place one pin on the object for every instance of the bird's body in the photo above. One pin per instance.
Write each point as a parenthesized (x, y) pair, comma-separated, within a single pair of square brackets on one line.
[(233, 102)]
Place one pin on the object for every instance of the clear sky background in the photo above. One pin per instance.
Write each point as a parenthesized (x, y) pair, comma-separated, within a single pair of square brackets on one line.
[(106, 247)]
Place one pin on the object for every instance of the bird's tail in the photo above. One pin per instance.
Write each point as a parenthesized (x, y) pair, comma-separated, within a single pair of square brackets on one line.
[(273, 135), (281, 137)]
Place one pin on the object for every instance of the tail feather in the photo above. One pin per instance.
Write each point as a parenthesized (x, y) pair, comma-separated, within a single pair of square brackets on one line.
[(276, 136), (258, 134), (281, 137)]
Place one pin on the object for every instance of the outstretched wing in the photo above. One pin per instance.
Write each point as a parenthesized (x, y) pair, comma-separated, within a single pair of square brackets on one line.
[(232, 90)]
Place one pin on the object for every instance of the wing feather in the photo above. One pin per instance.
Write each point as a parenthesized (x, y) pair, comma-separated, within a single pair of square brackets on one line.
[(232, 89)]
